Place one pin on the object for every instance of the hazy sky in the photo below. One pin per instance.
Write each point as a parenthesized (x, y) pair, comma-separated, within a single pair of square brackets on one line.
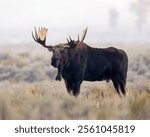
[(106, 19)]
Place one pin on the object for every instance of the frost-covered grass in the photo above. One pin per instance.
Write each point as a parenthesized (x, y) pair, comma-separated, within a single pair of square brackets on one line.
[(28, 89)]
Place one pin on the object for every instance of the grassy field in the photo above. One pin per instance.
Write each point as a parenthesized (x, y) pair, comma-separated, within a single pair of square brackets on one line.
[(28, 89)]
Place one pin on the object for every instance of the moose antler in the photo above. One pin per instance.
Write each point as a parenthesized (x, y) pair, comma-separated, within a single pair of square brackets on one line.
[(40, 36), (73, 43), (83, 36)]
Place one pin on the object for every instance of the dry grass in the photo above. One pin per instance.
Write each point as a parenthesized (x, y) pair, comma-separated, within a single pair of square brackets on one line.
[(28, 89)]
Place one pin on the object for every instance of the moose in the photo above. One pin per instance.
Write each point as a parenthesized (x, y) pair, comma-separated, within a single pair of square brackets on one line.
[(77, 62)]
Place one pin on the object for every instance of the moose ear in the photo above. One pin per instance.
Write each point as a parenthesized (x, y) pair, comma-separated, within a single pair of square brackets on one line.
[(50, 49)]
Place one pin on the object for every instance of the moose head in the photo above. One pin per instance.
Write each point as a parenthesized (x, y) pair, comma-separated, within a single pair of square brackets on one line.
[(61, 51)]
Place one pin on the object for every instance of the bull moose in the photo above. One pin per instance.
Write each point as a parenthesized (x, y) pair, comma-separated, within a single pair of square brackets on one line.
[(76, 61)]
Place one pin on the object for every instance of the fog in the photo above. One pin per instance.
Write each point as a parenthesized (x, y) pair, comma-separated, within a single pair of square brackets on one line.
[(107, 20)]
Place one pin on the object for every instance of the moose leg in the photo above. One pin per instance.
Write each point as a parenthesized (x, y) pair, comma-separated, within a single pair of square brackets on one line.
[(122, 84), (76, 88), (116, 85), (69, 86), (122, 87)]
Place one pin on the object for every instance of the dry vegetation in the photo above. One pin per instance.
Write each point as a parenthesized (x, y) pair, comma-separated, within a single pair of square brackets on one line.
[(28, 89)]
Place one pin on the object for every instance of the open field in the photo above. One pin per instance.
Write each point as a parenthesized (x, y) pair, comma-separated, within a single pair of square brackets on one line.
[(28, 89)]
